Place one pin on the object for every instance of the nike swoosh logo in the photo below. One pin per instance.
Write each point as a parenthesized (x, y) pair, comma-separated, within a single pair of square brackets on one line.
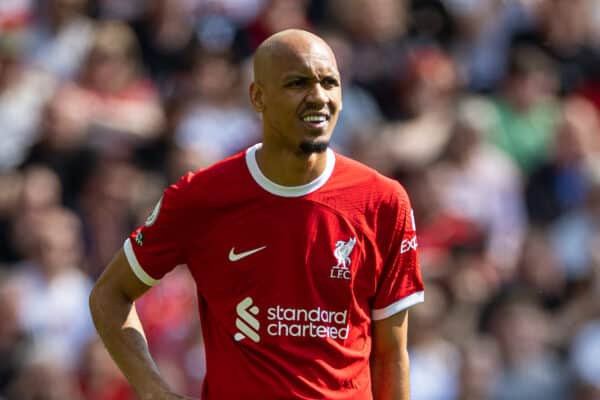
[(236, 257)]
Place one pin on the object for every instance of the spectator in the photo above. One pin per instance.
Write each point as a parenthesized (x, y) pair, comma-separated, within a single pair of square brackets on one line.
[(435, 361), (39, 190), (559, 184), (52, 290), (573, 236), (479, 369), (58, 43), (477, 182), (42, 377), (564, 29), (23, 94), (531, 370), (526, 109), (377, 31), (112, 103), (539, 271), (216, 124), (167, 36), (485, 31), (361, 112), (105, 203), (431, 86)]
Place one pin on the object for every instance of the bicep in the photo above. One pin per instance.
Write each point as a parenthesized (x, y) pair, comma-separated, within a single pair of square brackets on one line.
[(118, 277), (389, 335)]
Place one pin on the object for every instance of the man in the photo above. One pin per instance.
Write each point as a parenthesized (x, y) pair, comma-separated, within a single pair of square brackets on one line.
[(304, 261)]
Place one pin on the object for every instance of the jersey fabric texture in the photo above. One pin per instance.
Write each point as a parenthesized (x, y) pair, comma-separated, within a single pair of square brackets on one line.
[(288, 278)]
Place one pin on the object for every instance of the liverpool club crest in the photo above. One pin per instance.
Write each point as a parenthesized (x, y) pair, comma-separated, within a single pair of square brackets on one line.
[(342, 253)]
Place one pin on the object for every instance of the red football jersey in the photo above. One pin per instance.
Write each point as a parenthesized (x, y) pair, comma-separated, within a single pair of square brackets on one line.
[(288, 278)]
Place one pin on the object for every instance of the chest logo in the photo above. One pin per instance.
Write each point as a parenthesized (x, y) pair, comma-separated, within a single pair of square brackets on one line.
[(233, 256), (246, 321), (342, 253)]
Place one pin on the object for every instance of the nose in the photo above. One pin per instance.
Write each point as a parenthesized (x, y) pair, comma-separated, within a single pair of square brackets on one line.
[(317, 95)]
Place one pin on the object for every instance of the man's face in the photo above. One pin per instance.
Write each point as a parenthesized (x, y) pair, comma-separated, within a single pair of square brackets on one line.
[(301, 98)]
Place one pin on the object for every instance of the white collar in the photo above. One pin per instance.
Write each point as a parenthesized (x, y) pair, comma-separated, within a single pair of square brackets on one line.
[(287, 191)]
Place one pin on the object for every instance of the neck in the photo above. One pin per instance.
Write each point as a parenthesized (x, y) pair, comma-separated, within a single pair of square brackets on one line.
[(288, 168)]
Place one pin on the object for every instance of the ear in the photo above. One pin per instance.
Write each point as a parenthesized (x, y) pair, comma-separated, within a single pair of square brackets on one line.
[(257, 97)]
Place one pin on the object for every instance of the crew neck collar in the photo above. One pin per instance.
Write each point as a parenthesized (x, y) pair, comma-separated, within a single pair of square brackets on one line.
[(287, 191)]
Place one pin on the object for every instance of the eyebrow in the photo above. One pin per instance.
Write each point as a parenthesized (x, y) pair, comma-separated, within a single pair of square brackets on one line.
[(303, 75)]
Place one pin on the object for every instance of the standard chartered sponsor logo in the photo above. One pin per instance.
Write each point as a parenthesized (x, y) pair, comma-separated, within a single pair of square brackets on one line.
[(296, 322), (314, 322), (246, 321)]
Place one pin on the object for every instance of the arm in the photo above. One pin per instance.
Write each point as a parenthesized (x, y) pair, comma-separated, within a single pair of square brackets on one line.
[(119, 327), (389, 358)]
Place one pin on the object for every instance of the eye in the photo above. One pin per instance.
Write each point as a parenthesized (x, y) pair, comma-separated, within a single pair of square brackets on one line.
[(297, 83), (330, 83)]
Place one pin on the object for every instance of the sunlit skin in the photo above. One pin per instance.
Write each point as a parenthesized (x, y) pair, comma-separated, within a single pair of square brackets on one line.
[(295, 76)]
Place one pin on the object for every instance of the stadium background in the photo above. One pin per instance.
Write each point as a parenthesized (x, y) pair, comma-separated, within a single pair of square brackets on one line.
[(486, 110)]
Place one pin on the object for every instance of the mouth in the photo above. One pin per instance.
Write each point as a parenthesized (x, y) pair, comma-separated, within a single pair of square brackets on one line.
[(316, 120)]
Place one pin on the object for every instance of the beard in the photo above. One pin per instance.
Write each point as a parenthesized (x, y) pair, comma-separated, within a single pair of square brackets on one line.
[(309, 147)]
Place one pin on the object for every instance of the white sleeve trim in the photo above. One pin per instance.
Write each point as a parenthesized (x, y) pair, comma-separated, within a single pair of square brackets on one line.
[(135, 265), (398, 306)]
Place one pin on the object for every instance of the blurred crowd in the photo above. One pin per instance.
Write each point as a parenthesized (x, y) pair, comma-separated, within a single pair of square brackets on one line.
[(487, 111)]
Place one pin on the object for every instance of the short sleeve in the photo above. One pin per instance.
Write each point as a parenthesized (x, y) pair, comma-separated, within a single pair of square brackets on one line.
[(400, 283), (157, 246)]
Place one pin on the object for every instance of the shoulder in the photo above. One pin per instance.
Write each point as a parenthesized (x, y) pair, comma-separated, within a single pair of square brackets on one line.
[(222, 173), (360, 178), (198, 187), (367, 197)]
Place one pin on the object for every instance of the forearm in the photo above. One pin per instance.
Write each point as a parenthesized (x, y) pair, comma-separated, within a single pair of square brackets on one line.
[(390, 377), (119, 327)]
